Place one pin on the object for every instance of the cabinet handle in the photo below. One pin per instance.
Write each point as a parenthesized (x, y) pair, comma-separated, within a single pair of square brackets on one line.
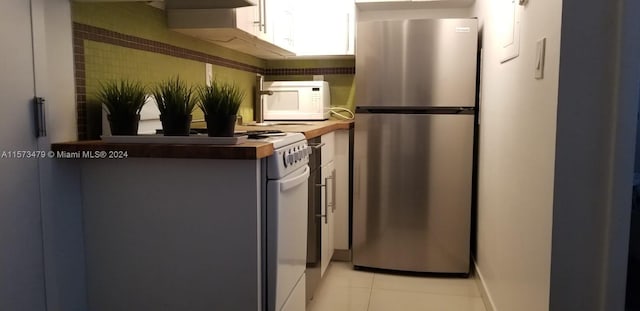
[(333, 194), (348, 34), (264, 16), (333, 190), (259, 22), (326, 205)]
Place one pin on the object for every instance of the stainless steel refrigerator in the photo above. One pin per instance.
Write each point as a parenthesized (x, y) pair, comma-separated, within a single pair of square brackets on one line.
[(414, 136)]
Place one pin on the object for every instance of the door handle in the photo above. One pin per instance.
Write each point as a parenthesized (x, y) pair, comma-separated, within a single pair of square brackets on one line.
[(40, 117)]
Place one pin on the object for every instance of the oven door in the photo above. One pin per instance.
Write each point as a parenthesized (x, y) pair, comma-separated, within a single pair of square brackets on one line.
[(286, 238)]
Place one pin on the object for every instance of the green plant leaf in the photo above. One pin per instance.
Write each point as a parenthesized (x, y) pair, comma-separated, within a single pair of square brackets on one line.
[(174, 97), (221, 98), (122, 98)]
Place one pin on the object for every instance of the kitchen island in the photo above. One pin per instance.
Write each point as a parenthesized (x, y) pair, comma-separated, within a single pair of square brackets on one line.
[(177, 227)]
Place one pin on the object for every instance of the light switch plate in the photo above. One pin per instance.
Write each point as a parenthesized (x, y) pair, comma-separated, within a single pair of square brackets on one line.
[(540, 51)]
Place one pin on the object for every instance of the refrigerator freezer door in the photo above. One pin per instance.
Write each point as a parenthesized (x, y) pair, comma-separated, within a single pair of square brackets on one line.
[(412, 193), (428, 62)]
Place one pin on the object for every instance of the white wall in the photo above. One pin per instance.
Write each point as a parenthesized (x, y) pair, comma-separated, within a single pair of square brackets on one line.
[(516, 158), (556, 156)]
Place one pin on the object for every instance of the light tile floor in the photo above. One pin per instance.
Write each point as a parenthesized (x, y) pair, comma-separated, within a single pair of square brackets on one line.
[(345, 289)]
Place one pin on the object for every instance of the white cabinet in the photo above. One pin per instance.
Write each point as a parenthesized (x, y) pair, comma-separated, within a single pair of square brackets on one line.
[(252, 19), (328, 226), (328, 185), (280, 23), (324, 27)]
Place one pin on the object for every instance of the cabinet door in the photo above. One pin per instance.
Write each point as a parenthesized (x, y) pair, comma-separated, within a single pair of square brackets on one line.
[(281, 23), (253, 20), (324, 27), (328, 201), (21, 258)]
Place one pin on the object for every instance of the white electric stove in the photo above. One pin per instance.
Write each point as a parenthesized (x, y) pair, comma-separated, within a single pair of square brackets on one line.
[(286, 209)]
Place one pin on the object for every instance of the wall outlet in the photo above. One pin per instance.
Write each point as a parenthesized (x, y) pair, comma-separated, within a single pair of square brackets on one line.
[(208, 74), (540, 48)]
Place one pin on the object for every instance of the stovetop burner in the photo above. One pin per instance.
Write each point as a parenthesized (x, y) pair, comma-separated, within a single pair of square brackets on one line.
[(264, 134)]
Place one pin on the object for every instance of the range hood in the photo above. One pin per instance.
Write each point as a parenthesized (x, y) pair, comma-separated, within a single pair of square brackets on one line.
[(372, 5), (207, 4), (191, 4), (222, 27)]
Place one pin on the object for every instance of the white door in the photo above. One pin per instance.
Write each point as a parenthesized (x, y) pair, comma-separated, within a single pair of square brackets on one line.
[(328, 201), (21, 258)]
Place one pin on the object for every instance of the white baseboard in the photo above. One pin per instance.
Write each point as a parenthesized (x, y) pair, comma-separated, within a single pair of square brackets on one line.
[(482, 286)]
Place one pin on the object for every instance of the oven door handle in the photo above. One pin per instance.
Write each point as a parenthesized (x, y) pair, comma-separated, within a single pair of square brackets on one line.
[(287, 184)]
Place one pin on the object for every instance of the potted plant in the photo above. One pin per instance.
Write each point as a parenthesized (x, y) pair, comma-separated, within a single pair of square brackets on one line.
[(175, 102), (122, 100), (220, 103)]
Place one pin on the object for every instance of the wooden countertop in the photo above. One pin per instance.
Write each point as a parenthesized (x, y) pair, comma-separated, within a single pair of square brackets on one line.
[(252, 149), (309, 129)]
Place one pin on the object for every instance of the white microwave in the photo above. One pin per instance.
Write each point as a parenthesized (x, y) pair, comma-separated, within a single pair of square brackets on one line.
[(297, 100)]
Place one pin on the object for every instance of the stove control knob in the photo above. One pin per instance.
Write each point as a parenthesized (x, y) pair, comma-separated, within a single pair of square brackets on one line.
[(284, 159)]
